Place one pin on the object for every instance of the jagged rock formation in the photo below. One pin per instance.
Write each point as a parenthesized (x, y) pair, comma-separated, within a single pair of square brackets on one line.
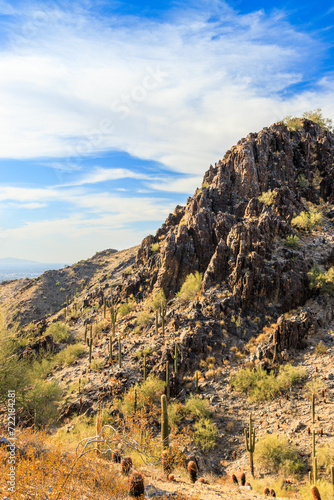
[(226, 233)]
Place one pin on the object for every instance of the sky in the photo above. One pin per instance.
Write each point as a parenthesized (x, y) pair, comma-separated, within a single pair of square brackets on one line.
[(111, 111)]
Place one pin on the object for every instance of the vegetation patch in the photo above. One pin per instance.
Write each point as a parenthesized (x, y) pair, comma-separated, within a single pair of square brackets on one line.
[(206, 434), (321, 280), (276, 454), (307, 220), (190, 288), (292, 241), (267, 198), (59, 331), (262, 386)]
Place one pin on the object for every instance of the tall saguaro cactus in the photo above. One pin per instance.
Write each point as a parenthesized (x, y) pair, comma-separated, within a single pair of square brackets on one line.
[(167, 381), (90, 344), (113, 318), (250, 443), (164, 422)]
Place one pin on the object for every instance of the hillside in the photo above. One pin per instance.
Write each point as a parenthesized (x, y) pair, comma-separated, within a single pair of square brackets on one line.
[(258, 238)]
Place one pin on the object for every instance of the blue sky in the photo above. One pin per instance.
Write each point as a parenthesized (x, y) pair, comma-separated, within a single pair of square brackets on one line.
[(111, 112)]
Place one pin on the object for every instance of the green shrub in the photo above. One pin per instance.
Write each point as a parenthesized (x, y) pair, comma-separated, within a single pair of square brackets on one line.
[(302, 182), (267, 198), (206, 434), (154, 247), (321, 280), (158, 300), (325, 454), (190, 288), (69, 355), (316, 116), (292, 122), (148, 393), (139, 354), (195, 407), (100, 327), (276, 454), (97, 364), (175, 414), (143, 318), (261, 386), (126, 307), (292, 241), (59, 331), (307, 220), (41, 402)]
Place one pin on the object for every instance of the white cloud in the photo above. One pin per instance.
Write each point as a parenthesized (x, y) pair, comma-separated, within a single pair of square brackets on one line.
[(99, 175), (179, 92), (74, 85)]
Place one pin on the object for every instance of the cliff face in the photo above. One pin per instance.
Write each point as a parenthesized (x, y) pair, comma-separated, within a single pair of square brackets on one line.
[(235, 240)]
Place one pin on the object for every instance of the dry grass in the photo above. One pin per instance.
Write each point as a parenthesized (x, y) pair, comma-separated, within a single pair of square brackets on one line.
[(48, 472)]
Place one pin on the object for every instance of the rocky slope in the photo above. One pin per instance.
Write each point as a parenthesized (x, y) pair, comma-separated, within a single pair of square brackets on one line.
[(254, 284)]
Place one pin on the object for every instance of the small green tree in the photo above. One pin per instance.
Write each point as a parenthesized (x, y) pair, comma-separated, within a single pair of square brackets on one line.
[(190, 288), (317, 117)]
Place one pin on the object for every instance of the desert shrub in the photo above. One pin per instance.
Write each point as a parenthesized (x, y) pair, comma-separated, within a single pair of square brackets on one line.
[(59, 331), (307, 220), (325, 454), (302, 182), (321, 349), (100, 327), (262, 386), (190, 288), (196, 407), (316, 116), (292, 122), (143, 318), (126, 307), (206, 434), (148, 393), (267, 198), (70, 354), (97, 364), (159, 300), (175, 414), (292, 241), (321, 280), (143, 352), (154, 247), (313, 386), (275, 453), (41, 401)]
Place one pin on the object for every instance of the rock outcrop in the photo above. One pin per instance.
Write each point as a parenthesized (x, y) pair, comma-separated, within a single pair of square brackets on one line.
[(234, 239)]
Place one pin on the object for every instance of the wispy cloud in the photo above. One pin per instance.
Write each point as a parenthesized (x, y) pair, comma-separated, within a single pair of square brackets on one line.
[(179, 91)]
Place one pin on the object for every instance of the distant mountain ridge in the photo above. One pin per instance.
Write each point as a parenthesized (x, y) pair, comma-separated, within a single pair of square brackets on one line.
[(11, 262)]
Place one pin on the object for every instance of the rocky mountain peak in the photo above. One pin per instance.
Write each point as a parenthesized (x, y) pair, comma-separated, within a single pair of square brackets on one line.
[(233, 238)]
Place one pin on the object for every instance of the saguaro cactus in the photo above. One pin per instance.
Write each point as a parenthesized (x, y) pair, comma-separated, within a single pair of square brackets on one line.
[(167, 381), (196, 381), (250, 443), (113, 318), (313, 408), (162, 315), (145, 368), (164, 422), (176, 359), (90, 344), (119, 353)]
